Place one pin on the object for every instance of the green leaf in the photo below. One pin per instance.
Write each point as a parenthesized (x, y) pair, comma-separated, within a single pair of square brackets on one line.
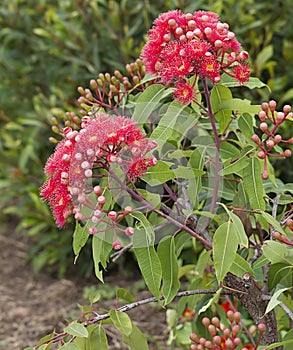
[(69, 346), (147, 257), (253, 184), (219, 94), (263, 57), (245, 124), (252, 83), (166, 125), (98, 339), (273, 222), (136, 340), (214, 299), (169, 264), (277, 272), (277, 252), (80, 237), (240, 266), (121, 321), (148, 101), (159, 174), (278, 344), (236, 166), (239, 229), (124, 294), (76, 329), (225, 243), (274, 300), (101, 249), (241, 106)]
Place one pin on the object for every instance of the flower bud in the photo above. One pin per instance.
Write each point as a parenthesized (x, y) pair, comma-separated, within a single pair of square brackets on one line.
[(217, 340), (101, 200), (261, 155), (287, 109), (261, 327), (206, 321), (93, 230), (193, 337), (237, 316), (277, 138), (263, 127), (129, 231), (230, 315), (287, 153), (270, 144), (212, 330), (265, 174), (216, 321), (255, 138), (116, 245), (112, 215)]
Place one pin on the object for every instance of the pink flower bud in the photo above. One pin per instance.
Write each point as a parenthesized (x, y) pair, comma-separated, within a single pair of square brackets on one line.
[(129, 231), (261, 155), (93, 230), (101, 200), (116, 245), (179, 31), (127, 210), (206, 321), (263, 127), (255, 138), (112, 215), (277, 138), (88, 173), (261, 327), (97, 190), (270, 144), (287, 153), (265, 175), (287, 109)]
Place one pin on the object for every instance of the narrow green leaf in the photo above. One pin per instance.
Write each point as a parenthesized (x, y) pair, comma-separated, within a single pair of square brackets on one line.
[(101, 249), (273, 222), (169, 264), (252, 83), (80, 237), (225, 242), (274, 300), (277, 272), (76, 329), (124, 294), (245, 124), (98, 339), (121, 321), (278, 344), (148, 101), (136, 340), (214, 299), (239, 229), (240, 266), (159, 174), (277, 252), (235, 167), (147, 257), (219, 94), (150, 267), (253, 184)]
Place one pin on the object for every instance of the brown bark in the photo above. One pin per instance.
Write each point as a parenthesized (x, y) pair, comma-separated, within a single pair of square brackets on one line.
[(251, 297)]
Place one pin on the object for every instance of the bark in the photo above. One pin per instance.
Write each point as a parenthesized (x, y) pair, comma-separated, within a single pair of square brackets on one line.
[(251, 297)]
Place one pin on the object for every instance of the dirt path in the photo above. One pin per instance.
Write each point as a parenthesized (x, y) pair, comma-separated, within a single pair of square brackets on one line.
[(33, 305)]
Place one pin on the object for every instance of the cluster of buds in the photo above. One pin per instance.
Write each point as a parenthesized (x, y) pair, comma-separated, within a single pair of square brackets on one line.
[(83, 157), (62, 120), (108, 90), (282, 238), (182, 45), (224, 337), (270, 139)]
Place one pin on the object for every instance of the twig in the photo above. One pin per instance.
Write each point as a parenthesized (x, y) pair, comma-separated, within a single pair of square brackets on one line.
[(131, 306), (287, 310)]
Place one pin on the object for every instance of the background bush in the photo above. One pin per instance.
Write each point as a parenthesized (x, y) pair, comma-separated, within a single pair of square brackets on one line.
[(49, 47)]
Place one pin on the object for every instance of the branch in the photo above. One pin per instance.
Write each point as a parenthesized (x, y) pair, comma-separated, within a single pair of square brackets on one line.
[(131, 306)]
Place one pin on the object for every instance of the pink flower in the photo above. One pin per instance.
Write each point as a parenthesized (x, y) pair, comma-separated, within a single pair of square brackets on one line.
[(184, 92), (181, 45), (55, 190), (241, 73)]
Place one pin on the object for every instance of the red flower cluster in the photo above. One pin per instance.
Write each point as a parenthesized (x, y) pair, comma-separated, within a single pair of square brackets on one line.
[(77, 159), (183, 45)]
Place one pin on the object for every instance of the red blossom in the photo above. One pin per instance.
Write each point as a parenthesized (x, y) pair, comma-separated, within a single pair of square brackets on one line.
[(241, 73), (184, 92)]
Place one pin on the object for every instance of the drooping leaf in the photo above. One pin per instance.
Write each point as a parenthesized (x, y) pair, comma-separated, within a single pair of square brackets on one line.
[(121, 321), (253, 184), (225, 242), (210, 302), (219, 94), (273, 222), (146, 255), (239, 229), (136, 340), (76, 329), (98, 339), (169, 264), (101, 248), (80, 237), (277, 272)]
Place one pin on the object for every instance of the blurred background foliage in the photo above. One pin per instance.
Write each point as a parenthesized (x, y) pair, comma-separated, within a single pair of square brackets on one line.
[(48, 48)]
